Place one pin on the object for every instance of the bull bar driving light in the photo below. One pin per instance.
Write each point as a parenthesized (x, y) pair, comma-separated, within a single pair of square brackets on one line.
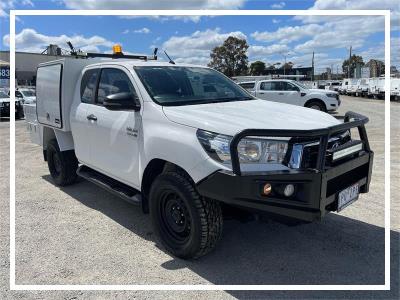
[(346, 151)]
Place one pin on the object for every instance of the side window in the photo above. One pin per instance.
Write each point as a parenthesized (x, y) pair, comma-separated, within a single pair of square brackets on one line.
[(289, 87), (266, 86), (88, 85), (247, 85), (113, 81), (272, 86)]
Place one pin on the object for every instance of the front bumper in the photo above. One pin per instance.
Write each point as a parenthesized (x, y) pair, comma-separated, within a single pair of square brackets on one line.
[(5, 109), (316, 190)]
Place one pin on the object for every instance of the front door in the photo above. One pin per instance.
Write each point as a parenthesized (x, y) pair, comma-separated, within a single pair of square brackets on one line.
[(291, 93), (114, 135)]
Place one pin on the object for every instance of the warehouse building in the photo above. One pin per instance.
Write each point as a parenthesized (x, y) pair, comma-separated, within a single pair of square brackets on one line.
[(25, 65)]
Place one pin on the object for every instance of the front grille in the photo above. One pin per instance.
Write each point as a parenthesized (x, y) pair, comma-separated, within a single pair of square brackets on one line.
[(311, 149)]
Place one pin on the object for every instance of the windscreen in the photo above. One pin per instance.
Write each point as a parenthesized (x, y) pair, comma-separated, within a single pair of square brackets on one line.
[(28, 93), (172, 86), (302, 85), (3, 95)]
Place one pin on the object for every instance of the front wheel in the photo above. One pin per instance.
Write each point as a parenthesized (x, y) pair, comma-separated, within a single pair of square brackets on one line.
[(188, 225), (317, 105)]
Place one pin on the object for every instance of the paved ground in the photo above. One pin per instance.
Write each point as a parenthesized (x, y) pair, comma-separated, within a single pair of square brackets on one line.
[(83, 235)]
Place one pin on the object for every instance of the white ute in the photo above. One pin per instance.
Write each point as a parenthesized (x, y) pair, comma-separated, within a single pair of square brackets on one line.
[(293, 92), (185, 142)]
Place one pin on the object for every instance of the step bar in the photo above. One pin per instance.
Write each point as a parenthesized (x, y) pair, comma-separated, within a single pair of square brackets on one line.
[(125, 192)]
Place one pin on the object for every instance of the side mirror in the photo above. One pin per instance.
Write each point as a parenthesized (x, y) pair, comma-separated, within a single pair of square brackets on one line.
[(122, 101)]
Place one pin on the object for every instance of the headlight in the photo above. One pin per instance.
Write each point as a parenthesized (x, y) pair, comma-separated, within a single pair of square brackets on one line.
[(331, 95), (250, 150)]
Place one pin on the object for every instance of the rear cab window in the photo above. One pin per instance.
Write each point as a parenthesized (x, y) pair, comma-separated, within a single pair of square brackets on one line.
[(88, 85)]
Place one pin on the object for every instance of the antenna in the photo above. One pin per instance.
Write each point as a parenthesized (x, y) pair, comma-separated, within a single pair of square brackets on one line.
[(155, 53), (73, 51), (170, 60)]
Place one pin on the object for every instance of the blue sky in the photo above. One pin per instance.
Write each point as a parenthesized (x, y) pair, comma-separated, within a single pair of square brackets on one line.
[(190, 39)]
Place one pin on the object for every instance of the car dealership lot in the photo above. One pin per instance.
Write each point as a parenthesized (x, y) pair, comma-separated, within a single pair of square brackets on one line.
[(83, 235)]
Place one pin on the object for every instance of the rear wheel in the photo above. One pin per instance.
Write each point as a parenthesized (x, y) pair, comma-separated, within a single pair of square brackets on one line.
[(317, 105), (188, 225), (62, 164)]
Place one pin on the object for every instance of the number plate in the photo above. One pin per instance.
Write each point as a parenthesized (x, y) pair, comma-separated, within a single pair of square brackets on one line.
[(348, 196)]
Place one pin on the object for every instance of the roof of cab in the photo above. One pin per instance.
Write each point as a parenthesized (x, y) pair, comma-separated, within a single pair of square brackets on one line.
[(139, 63)]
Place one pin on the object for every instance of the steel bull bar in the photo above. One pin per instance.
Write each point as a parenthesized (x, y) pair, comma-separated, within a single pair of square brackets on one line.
[(317, 187)]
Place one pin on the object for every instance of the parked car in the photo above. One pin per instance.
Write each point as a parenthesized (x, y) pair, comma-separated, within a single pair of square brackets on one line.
[(5, 106), (248, 85), (348, 86), (185, 141), (333, 85), (293, 92), (395, 88), (376, 87), (25, 95), (352, 87), (362, 87)]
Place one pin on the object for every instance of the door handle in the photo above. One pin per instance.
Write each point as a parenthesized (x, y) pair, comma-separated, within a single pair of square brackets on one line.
[(262, 93), (280, 93), (92, 117)]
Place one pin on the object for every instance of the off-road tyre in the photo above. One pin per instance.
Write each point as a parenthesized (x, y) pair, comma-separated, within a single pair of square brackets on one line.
[(201, 218), (62, 164)]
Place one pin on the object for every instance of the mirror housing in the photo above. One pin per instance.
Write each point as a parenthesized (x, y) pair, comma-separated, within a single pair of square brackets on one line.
[(122, 101)]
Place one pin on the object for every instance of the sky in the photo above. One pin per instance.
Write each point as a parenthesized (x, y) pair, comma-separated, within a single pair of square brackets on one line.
[(190, 39)]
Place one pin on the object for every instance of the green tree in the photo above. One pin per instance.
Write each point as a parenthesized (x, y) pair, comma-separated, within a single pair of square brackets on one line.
[(353, 62), (257, 68), (230, 58), (287, 66)]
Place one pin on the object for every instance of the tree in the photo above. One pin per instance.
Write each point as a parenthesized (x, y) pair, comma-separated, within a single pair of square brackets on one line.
[(353, 62), (287, 66), (230, 58), (257, 68)]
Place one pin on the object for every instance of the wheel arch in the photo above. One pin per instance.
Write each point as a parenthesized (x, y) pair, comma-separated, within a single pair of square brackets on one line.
[(64, 139), (315, 100), (154, 168)]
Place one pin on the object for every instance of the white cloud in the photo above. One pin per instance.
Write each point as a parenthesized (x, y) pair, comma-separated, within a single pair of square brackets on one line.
[(31, 41), (6, 5), (144, 30), (349, 31), (392, 5), (279, 5), (276, 21), (256, 51), (154, 4), (287, 34), (196, 48)]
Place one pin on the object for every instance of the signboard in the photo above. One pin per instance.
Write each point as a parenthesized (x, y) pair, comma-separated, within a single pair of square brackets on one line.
[(4, 77), (5, 72)]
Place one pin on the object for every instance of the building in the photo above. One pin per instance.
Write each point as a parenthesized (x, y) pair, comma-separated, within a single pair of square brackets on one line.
[(376, 68), (25, 66)]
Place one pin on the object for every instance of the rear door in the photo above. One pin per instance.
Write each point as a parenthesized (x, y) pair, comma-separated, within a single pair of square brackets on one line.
[(269, 90), (80, 124), (115, 135)]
